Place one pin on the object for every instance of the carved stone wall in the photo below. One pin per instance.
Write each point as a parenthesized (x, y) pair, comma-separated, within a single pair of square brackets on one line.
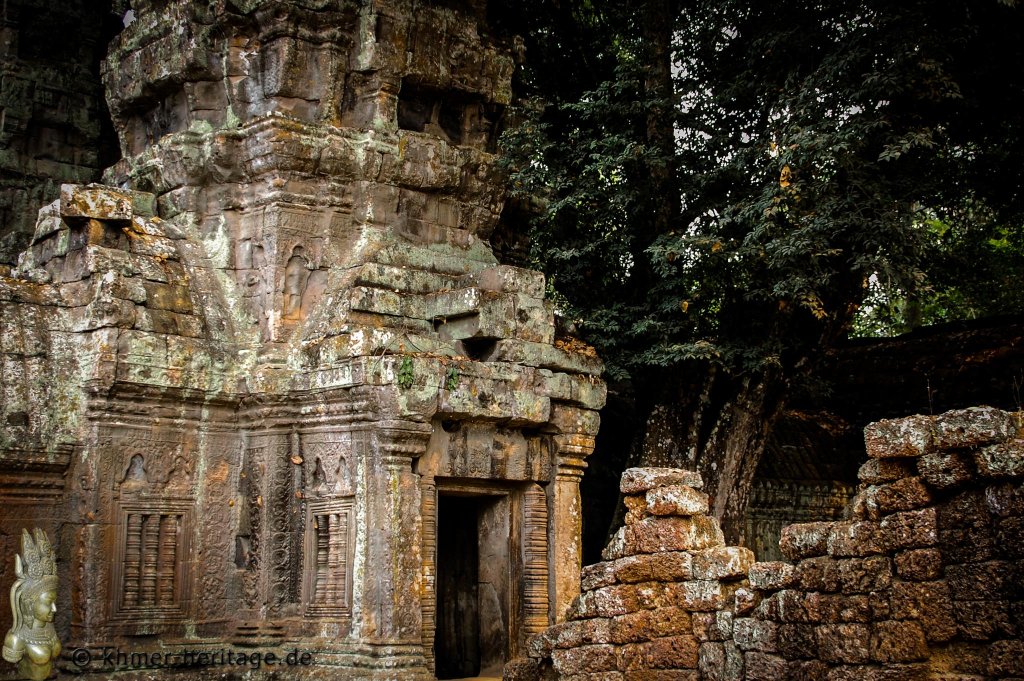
[(924, 578), (250, 367)]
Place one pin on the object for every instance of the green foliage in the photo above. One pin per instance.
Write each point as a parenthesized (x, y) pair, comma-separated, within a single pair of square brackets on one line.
[(974, 270), (405, 373), (451, 379), (813, 143)]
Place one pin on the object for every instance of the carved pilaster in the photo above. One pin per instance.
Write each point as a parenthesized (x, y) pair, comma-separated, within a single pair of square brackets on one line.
[(272, 522), (428, 602), (573, 444), (391, 551), (536, 605)]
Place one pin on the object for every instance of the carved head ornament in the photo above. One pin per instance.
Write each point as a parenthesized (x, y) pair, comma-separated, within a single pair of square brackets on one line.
[(32, 641)]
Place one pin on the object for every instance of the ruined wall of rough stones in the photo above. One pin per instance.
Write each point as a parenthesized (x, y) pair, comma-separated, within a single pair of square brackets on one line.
[(924, 579), (53, 122)]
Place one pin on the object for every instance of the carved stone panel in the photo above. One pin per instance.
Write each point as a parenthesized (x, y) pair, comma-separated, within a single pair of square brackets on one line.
[(249, 543), (268, 542), (328, 464), (489, 452), (151, 579), (283, 528), (327, 579)]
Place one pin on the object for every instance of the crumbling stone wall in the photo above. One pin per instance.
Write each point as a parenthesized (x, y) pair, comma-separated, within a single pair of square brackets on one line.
[(53, 122), (924, 579)]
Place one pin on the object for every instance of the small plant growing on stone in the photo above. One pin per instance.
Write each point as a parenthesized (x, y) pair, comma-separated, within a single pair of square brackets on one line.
[(451, 379), (405, 374)]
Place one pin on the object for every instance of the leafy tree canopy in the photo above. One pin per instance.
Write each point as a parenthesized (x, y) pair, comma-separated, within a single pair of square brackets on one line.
[(725, 182)]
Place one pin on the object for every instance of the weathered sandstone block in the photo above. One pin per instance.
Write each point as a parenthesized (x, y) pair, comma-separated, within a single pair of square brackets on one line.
[(671, 652), (645, 625), (973, 427), (667, 566), (640, 480), (910, 529), (946, 470), (676, 500), (713, 626), (722, 563)]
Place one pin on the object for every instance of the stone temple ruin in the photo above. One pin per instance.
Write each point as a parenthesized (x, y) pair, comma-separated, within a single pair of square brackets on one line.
[(268, 388), (268, 385)]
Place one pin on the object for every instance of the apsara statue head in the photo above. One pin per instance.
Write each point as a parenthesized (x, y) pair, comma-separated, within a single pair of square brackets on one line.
[(32, 641)]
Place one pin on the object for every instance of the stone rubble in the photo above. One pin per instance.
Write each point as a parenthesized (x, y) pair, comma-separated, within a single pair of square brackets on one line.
[(924, 578)]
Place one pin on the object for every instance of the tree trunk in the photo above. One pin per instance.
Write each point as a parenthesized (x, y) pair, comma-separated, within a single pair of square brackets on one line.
[(717, 424)]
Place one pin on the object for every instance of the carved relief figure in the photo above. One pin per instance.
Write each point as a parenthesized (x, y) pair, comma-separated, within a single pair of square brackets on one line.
[(32, 641), (296, 274)]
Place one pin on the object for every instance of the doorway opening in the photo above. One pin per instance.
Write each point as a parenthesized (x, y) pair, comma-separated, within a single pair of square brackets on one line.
[(472, 585)]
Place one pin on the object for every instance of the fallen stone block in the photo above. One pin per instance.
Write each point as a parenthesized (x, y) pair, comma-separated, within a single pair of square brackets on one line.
[(897, 438), (640, 480), (676, 500)]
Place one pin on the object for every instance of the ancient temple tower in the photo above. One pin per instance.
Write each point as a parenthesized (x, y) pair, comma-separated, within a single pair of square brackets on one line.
[(269, 387)]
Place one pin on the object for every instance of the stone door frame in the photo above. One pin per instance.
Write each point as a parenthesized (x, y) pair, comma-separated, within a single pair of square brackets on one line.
[(431, 490)]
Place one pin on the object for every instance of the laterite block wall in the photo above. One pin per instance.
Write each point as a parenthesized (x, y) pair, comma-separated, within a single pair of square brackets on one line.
[(923, 579)]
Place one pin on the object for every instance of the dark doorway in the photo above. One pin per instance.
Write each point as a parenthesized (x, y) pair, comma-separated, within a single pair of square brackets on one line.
[(472, 585)]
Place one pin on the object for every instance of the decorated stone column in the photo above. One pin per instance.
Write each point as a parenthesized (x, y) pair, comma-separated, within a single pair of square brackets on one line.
[(428, 603), (573, 445), (388, 539), (536, 572)]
